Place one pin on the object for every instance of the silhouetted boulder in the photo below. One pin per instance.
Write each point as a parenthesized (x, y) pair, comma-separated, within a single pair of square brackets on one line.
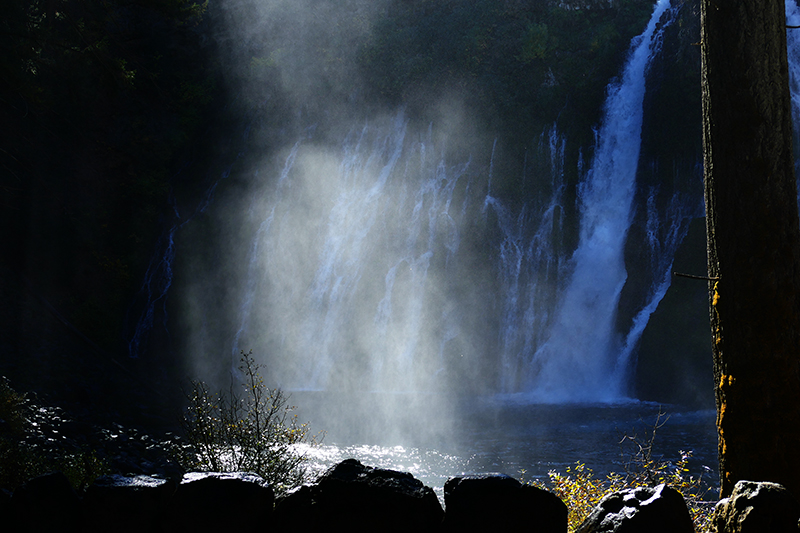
[(212, 501), (496, 502), (354, 497), (757, 507), (5, 503), (643, 509), (45, 503), (126, 504)]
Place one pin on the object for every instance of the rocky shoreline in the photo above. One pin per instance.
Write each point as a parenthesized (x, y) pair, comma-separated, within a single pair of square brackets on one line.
[(133, 480), (353, 497)]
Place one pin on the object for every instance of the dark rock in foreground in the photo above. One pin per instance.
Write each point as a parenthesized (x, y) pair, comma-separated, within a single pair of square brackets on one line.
[(45, 503), (757, 507), (497, 502), (202, 501), (655, 510), (131, 504), (212, 501), (354, 497)]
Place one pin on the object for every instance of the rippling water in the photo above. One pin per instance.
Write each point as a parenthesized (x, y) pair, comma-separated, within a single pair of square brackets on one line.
[(437, 437)]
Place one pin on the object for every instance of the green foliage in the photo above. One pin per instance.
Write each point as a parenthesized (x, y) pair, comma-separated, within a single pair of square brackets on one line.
[(644, 469), (12, 405), (517, 67), (23, 456), (252, 431), (581, 490), (535, 45), (20, 463)]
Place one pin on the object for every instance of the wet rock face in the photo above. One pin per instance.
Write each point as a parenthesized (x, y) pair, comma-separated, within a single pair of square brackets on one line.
[(354, 497), (655, 510), (757, 507), (497, 502)]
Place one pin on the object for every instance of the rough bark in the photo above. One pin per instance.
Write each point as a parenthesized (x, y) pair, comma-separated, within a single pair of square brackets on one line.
[(753, 240)]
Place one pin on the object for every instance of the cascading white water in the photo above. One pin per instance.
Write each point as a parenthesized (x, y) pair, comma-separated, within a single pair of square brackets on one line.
[(577, 362), (344, 258), (529, 263), (254, 255), (793, 53)]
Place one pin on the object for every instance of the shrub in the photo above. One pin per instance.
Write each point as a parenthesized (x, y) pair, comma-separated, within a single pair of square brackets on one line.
[(580, 490), (252, 431), (29, 447), (12, 405), (644, 469)]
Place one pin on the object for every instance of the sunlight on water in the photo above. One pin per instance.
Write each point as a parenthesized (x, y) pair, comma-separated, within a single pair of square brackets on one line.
[(432, 467), (504, 436)]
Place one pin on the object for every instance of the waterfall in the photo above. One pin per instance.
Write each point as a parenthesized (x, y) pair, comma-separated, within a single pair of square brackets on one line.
[(151, 298), (382, 260), (577, 361), (793, 53), (356, 279), (254, 255)]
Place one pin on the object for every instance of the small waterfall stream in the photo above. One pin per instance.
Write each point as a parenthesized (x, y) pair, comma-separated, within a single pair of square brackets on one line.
[(151, 300)]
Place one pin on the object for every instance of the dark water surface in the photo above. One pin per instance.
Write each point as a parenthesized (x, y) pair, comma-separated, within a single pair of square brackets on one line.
[(436, 437)]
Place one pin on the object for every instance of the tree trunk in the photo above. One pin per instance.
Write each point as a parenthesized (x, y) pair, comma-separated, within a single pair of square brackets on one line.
[(753, 241)]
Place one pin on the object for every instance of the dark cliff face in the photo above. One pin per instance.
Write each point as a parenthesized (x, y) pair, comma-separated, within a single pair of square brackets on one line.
[(674, 356), (100, 106)]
